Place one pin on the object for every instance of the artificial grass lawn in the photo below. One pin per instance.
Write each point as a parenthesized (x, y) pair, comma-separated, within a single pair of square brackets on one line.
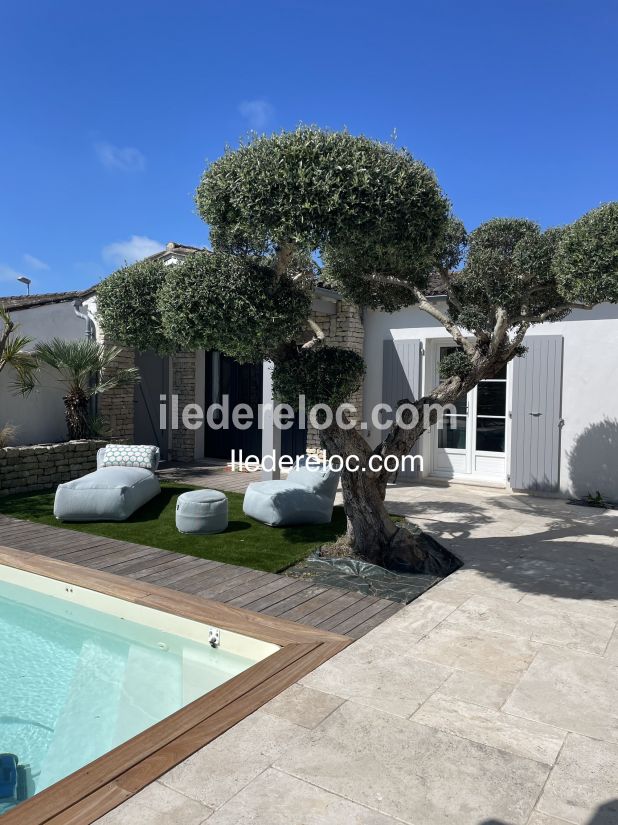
[(246, 542)]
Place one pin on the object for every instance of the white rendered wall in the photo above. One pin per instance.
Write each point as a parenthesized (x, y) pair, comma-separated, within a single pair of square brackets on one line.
[(39, 418), (589, 441)]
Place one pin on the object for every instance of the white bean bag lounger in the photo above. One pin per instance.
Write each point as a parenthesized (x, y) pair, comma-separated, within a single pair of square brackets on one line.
[(110, 493)]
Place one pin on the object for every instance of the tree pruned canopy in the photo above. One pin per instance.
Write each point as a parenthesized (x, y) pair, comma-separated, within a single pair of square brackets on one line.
[(323, 375), (128, 306), (234, 304), (376, 222), (586, 261), (368, 209)]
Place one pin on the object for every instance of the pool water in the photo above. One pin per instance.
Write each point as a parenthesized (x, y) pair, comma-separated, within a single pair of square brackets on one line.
[(75, 682)]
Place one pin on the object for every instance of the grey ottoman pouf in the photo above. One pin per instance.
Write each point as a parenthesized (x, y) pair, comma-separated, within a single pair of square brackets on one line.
[(201, 511)]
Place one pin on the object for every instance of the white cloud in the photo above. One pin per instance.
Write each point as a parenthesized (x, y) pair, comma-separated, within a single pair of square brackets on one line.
[(134, 249), (123, 158), (256, 112), (33, 262), (7, 273)]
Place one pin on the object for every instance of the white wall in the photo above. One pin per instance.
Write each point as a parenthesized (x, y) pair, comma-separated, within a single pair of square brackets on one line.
[(589, 441), (40, 417)]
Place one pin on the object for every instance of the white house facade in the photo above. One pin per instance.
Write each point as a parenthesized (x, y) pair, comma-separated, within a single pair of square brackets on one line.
[(40, 417), (548, 425)]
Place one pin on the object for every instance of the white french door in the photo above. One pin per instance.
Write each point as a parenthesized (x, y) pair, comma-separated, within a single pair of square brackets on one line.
[(472, 443)]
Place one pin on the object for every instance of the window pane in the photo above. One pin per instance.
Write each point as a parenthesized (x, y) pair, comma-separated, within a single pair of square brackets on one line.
[(491, 398), (461, 405), (453, 434), (490, 435), (444, 351)]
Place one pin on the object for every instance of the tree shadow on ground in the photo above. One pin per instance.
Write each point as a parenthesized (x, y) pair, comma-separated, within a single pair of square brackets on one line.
[(539, 545), (593, 461), (605, 814)]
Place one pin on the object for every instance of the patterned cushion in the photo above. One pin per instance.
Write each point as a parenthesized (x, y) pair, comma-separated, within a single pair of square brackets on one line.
[(130, 455)]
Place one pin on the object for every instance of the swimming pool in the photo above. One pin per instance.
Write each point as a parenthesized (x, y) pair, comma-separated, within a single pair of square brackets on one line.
[(89, 659), (82, 672)]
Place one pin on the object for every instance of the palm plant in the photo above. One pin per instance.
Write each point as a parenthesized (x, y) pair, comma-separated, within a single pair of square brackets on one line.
[(86, 368), (13, 354)]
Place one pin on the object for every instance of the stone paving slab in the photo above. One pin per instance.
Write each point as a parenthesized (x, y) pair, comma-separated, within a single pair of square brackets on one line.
[(278, 799), (535, 622), (413, 772), (477, 688), (476, 651), (216, 773), (534, 740), (491, 700), (583, 781), (574, 691), (381, 674)]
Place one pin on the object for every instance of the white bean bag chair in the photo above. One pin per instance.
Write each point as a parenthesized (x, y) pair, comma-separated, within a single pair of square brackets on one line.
[(114, 491), (307, 496)]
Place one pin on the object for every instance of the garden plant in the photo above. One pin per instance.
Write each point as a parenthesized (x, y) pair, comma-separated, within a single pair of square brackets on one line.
[(371, 220)]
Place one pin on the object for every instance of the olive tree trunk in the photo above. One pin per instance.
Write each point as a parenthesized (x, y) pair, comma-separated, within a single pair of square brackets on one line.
[(371, 532)]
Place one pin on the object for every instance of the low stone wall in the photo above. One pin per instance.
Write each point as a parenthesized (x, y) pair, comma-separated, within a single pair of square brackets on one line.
[(43, 466)]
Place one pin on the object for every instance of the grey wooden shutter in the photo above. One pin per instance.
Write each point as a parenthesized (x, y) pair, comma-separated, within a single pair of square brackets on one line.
[(401, 376), (536, 410)]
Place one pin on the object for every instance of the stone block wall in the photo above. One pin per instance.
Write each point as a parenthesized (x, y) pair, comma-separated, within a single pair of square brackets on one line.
[(183, 385), (44, 466), (117, 407), (342, 329)]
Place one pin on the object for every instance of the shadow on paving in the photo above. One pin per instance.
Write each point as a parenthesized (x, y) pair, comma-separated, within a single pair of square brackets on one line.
[(606, 814), (559, 559)]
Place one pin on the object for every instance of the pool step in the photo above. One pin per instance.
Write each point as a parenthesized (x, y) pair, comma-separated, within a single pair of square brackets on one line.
[(151, 690), (85, 728)]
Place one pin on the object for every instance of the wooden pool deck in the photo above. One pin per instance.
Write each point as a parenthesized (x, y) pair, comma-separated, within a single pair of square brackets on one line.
[(326, 608)]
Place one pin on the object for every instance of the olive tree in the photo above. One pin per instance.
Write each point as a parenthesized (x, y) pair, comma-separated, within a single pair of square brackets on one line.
[(375, 223)]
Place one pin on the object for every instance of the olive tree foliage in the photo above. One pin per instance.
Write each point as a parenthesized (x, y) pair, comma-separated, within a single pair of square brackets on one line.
[(233, 304), (128, 306), (375, 223)]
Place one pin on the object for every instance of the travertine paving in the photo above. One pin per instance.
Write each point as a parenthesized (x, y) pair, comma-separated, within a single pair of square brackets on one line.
[(491, 700)]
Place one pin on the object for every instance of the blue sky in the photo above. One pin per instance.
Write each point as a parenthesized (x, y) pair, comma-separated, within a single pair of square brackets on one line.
[(110, 111)]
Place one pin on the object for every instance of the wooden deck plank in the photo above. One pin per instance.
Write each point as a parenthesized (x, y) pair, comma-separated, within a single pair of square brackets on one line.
[(204, 586), (118, 562), (276, 583), (334, 607), (358, 618), (154, 565), (277, 608), (104, 550), (376, 620), (276, 596), (304, 609), (185, 566), (299, 600), (238, 585)]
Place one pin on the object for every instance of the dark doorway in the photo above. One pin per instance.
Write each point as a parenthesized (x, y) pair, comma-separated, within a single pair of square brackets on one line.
[(243, 384), (154, 372)]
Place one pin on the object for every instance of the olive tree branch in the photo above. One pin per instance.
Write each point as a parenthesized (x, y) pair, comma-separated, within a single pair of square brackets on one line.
[(318, 335)]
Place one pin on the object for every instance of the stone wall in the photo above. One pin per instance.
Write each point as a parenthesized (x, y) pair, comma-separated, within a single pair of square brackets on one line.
[(117, 407), (44, 466), (183, 385), (342, 329)]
